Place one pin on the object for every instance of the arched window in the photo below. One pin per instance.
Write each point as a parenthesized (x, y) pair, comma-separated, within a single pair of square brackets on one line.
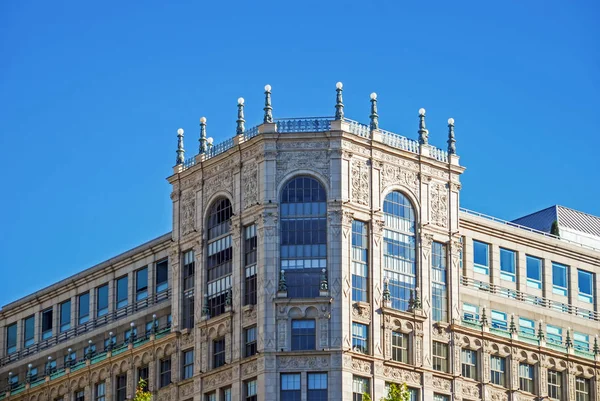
[(399, 248), (303, 236), (219, 256)]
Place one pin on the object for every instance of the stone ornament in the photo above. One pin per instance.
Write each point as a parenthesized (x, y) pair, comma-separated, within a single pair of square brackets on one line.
[(288, 162), (360, 182), (439, 205), (188, 212), (250, 185)]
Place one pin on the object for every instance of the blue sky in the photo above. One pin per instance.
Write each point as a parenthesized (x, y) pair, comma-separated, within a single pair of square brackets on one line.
[(92, 93)]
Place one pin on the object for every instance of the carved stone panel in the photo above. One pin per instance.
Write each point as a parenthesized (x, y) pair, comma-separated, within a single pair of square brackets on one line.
[(302, 362), (439, 204), (292, 161), (250, 184), (188, 212), (394, 175), (360, 182)]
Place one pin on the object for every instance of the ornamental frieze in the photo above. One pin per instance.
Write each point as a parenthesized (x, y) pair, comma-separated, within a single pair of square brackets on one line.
[(288, 162), (402, 375), (250, 185), (220, 182), (494, 394), (188, 212), (441, 384), (360, 182), (217, 379), (301, 362), (439, 204), (394, 175)]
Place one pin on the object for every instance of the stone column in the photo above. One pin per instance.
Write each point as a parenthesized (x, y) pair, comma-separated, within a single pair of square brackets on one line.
[(468, 257), (425, 293), (175, 366), (151, 274), (108, 387), (175, 285), (151, 375), (547, 278), (494, 264), (237, 275), (453, 278), (573, 290), (130, 381), (514, 362), (570, 374), (543, 375), (37, 328), (522, 271)]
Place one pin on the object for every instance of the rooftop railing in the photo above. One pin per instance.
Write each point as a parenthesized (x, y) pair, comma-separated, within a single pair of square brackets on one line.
[(311, 124), (87, 327), (532, 230)]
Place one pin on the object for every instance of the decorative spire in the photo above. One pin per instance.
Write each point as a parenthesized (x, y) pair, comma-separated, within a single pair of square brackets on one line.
[(374, 116), (484, 321), (49, 366), (202, 135), (540, 334), (240, 120), (153, 330), (596, 347), (132, 333), (423, 133), (417, 301), (451, 140), (568, 342), (268, 109), (110, 341), (339, 103), (228, 298), (387, 297), (28, 376), (205, 309), (324, 285), (88, 354), (282, 284), (512, 328), (180, 150)]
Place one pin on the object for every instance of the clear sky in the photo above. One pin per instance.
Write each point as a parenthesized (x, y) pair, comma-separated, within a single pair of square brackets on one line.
[(92, 93)]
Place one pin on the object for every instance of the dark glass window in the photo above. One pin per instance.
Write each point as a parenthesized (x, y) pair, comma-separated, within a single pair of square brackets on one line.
[(218, 353), (582, 389), (250, 340), (143, 374), (317, 386), (162, 276), (141, 284), (303, 236), (508, 262), (29, 331), (250, 390), (534, 272), (439, 282), (399, 347), (11, 338), (102, 300), (360, 262), (290, 387), (80, 395), (100, 392), (129, 332), (70, 359), (250, 246), (65, 316), (585, 282), (559, 279), (47, 320), (468, 360), (440, 356), (122, 292), (83, 306), (219, 259), (165, 372), (399, 248), (188, 364), (481, 257), (360, 337), (303, 335), (188, 289), (121, 387), (112, 339)]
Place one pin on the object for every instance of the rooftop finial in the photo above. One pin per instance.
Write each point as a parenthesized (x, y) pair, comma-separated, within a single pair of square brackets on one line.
[(240, 120), (374, 116), (268, 109), (451, 140), (180, 150), (202, 135), (423, 133), (339, 103)]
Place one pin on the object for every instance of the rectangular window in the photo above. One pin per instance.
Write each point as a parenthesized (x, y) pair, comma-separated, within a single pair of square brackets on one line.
[(122, 297), (440, 356), (100, 392), (34, 374), (121, 387), (290, 387), (413, 393), (149, 327), (218, 353), (471, 312), (28, 331), (585, 281), (141, 284), (303, 335), (51, 367), (189, 268), (13, 381), (250, 390), (439, 282), (317, 386), (481, 257), (79, 395), (555, 384), (526, 377), (440, 397), (399, 347), (250, 247), (65, 316), (250, 341), (188, 364), (554, 334), (211, 396), (164, 372), (83, 308), (468, 360), (582, 389), (508, 262), (559, 279), (360, 385), (47, 320), (360, 264), (162, 276), (226, 394), (581, 341), (360, 338), (497, 370), (102, 300), (534, 272), (527, 327), (499, 320), (143, 373)]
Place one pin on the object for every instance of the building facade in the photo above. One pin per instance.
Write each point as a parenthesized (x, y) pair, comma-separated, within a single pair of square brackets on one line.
[(319, 259)]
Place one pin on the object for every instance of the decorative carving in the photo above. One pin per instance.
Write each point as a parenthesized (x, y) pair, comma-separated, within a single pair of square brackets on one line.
[(217, 379), (302, 145), (439, 332), (362, 311), (495, 395), (186, 390), (250, 184), (440, 383), (250, 368), (471, 390), (361, 366), (394, 175), (220, 182), (439, 205), (188, 212), (397, 374), (360, 182), (292, 161), (187, 340), (301, 362)]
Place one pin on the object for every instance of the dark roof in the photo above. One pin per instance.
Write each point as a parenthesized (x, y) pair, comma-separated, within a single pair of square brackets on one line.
[(568, 218)]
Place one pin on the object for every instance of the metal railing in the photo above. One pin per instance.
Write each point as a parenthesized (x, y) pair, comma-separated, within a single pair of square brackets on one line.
[(250, 133), (87, 327), (399, 141), (17, 388), (310, 124), (189, 162), (532, 230)]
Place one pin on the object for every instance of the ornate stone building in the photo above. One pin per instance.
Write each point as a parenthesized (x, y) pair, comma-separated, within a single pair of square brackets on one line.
[(317, 259)]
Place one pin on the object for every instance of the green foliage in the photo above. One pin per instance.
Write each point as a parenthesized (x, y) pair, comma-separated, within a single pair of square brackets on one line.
[(141, 392), (554, 229), (366, 396), (398, 392)]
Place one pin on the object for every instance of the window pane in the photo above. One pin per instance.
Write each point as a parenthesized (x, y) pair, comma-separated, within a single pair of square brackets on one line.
[(29, 331), (84, 307), (559, 278), (162, 276), (65, 316), (507, 264), (480, 253), (102, 300), (122, 292), (141, 284), (586, 285)]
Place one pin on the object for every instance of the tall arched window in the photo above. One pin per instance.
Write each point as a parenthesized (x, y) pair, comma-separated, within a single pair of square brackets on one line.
[(219, 256), (303, 236), (399, 248)]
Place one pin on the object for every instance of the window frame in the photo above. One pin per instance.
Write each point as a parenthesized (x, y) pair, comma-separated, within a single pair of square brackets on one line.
[(121, 387), (46, 332), (303, 337), (533, 282), (555, 383), (100, 395), (360, 341), (187, 368), (360, 261), (317, 392), (163, 285), (582, 394), (556, 288), (527, 382), (102, 310), (290, 388), (504, 273), (400, 351), (481, 268), (120, 301), (584, 296), (440, 359), (164, 372), (498, 373), (468, 363), (250, 342), (64, 324), (219, 348), (83, 306), (250, 262), (141, 284), (439, 282), (28, 338)]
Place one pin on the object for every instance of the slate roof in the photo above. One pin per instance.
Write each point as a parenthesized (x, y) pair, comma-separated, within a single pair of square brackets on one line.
[(568, 218)]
